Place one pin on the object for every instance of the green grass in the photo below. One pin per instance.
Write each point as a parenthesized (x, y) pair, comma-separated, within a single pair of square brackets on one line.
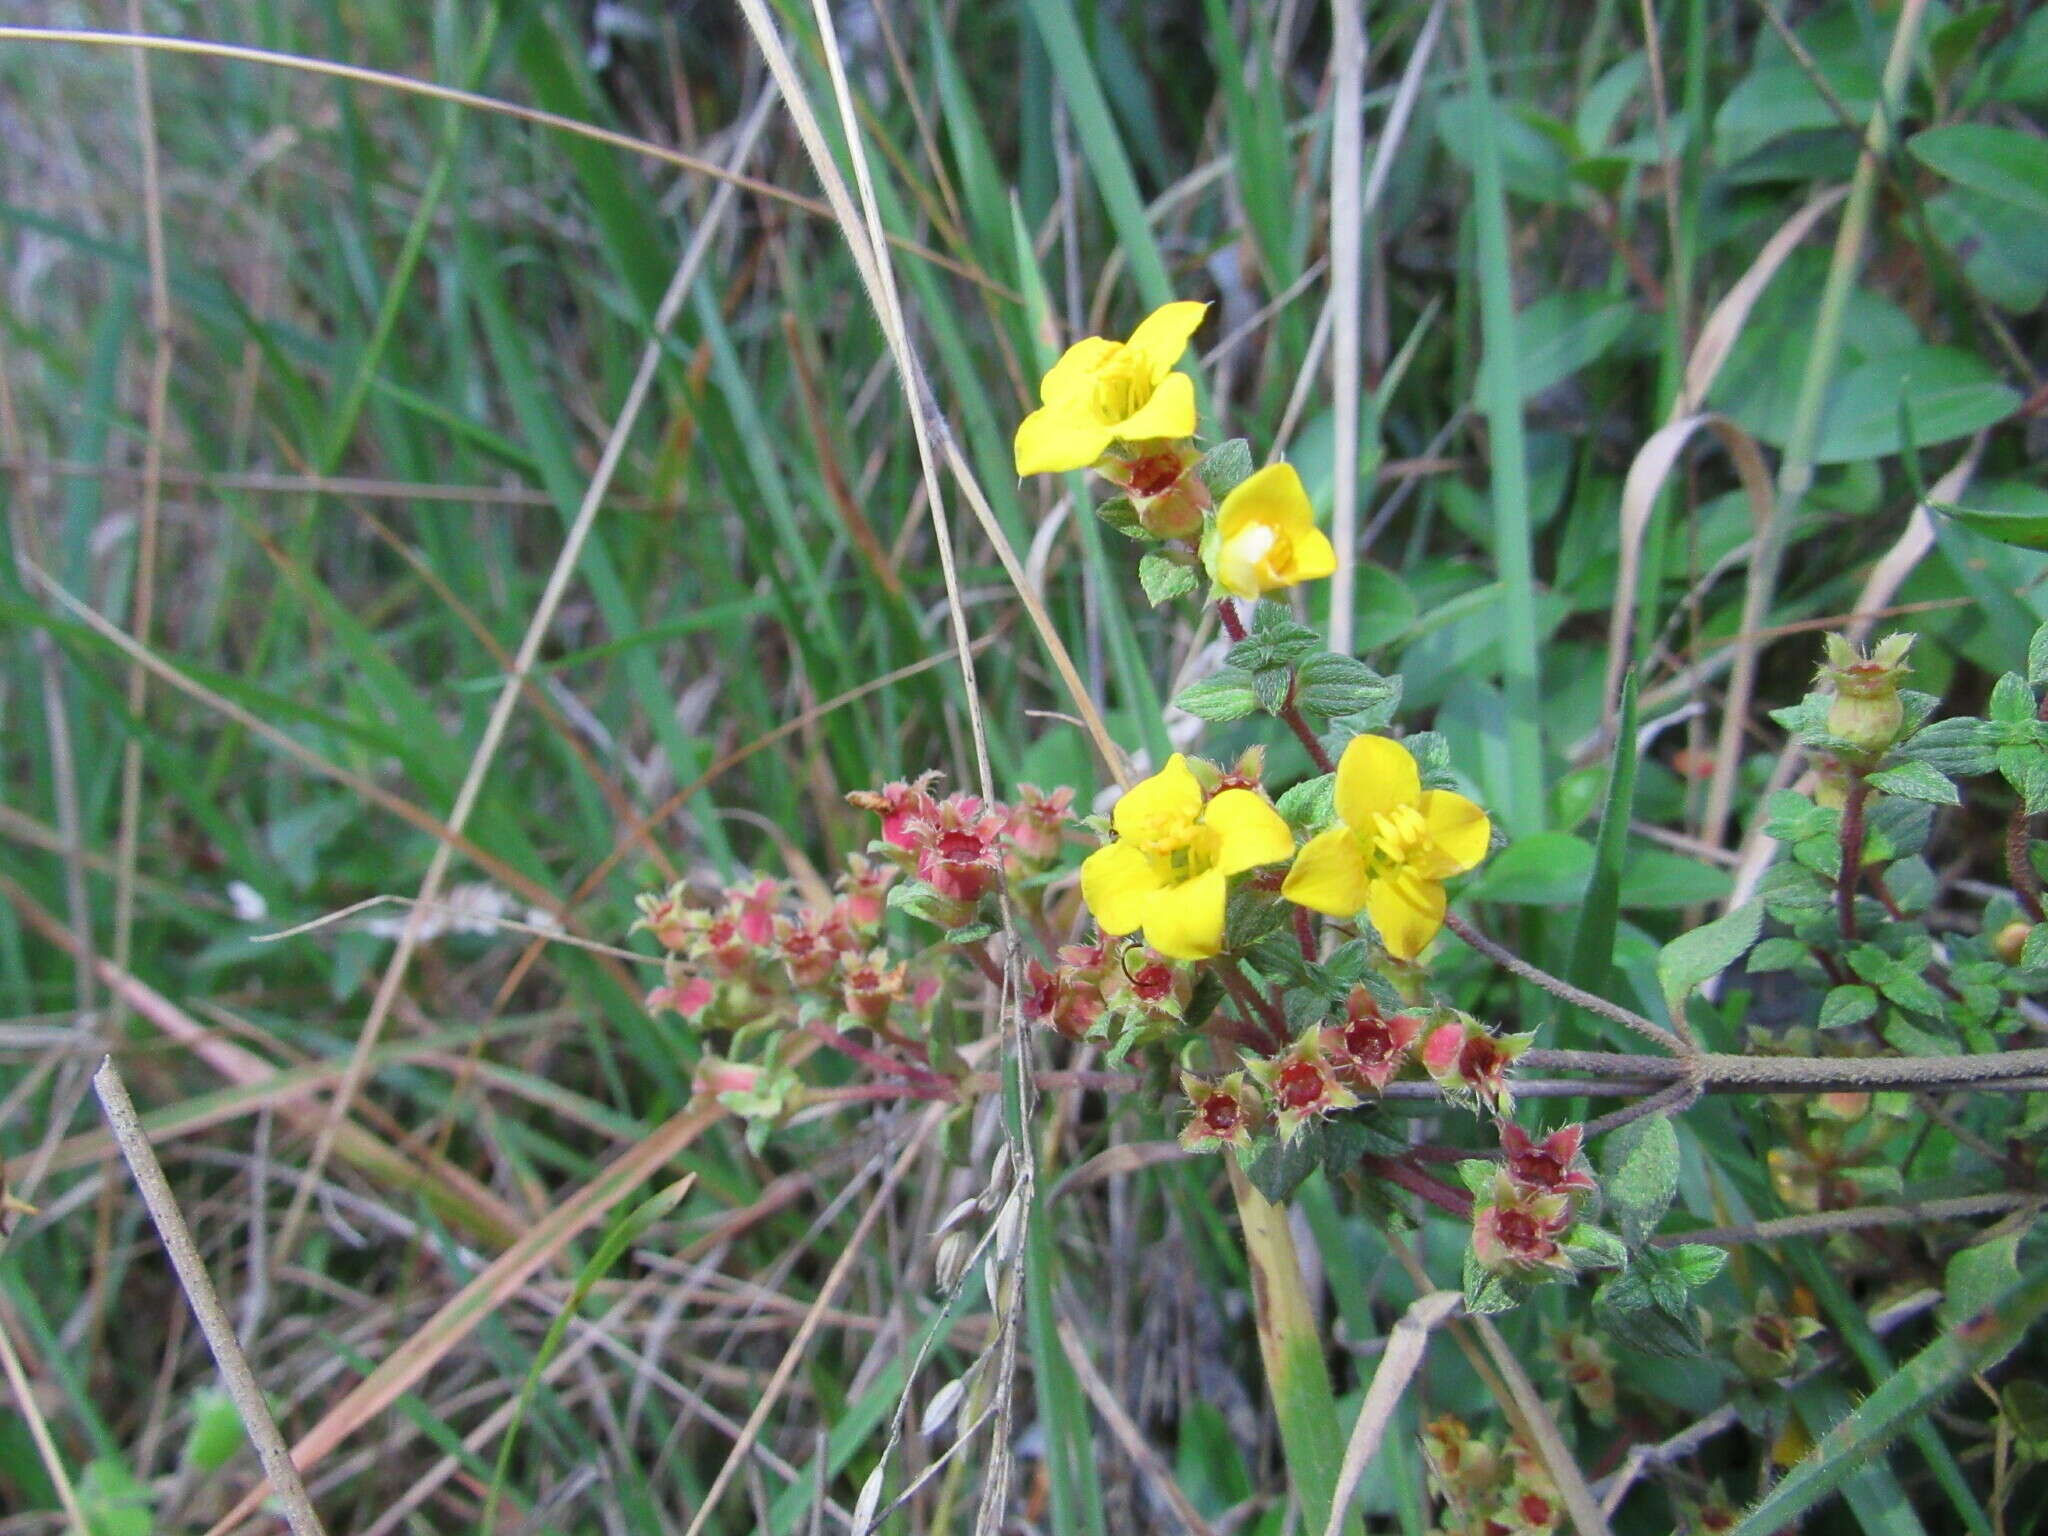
[(372, 284)]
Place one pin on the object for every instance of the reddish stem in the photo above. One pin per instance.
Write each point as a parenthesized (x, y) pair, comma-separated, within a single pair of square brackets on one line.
[(878, 1061), (1289, 711), (1396, 1170), (1852, 856), (1304, 933), (2026, 885)]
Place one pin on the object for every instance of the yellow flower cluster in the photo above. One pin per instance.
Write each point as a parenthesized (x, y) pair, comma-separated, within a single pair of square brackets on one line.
[(1106, 396), (1393, 847), (1124, 408)]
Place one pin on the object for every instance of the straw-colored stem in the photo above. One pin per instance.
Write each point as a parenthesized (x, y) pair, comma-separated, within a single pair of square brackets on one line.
[(1291, 1347), (239, 1380)]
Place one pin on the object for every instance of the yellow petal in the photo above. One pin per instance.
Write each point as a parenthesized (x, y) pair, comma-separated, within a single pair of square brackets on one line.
[(1314, 555), (1328, 874), (1074, 373), (1055, 438), (1169, 413), (1407, 911), (1117, 882), (1171, 793), (1274, 496), (1237, 561), (1185, 921), (1251, 831), (1163, 336), (1376, 773), (1458, 829)]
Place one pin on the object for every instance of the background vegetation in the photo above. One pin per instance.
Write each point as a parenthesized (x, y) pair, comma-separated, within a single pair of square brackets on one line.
[(304, 375)]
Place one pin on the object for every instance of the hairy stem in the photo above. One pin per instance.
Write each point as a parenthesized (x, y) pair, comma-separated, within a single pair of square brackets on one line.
[(1852, 855), (2019, 864), (1290, 711), (1557, 986)]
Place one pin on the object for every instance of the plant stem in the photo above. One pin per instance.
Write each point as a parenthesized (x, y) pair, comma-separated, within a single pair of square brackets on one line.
[(1304, 933), (1258, 1008), (1291, 1347), (1852, 855), (874, 1060), (1508, 960), (1398, 1170), (1290, 711), (2019, 865)]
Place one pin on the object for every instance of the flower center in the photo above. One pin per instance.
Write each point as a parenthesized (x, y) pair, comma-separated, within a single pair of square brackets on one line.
[(1220, 1113), (1300, 1086), (1369, 1041), (1178, 846), (1399, 836), (1122, 385), (1517, 1229)]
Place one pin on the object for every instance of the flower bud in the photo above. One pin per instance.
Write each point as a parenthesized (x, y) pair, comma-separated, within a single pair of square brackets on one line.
[(1367, 1049), (1517, 1228), (1867, 712), (1300, 1085), (1227, 1112), (1157, 476), (2011, 942)]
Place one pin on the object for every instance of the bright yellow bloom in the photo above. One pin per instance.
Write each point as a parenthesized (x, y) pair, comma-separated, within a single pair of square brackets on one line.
[(1392, 849), (1103, 391), (1167, 870), (1266, 536)]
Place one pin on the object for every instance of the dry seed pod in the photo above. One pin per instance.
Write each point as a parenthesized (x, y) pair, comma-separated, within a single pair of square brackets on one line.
[(956, 1216), (870, 1499), (955, 1252), (1010, 1228), (998, 1180), (940, 1410)]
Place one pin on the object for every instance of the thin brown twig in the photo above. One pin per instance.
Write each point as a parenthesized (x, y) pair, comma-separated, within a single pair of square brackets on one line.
[(239, 1380), (1557, 986)]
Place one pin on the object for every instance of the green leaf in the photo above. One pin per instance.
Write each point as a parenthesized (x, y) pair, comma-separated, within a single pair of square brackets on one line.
[(1917, 781), (1310, 805), (1591, 1247), (2037, 657), (1779, 954), (1999, 162), (1899, 1402), (1278, 1166), (1637, 1320), (1226, 695), (1543, 869), (2022, 530), (1696, 1263), (1639, 1175), (216, 1433), (1592, 953), (1477, 1174), (1977, 1277), (1561, 333), (1165, 578), (1329, 685), (1694, 958), (1954, 394), (1275, 641), (1960, 746), (1225, 467), (114, 1500), (1847, 1005), (1272, 687), (1486, 1292), (1123, 517)]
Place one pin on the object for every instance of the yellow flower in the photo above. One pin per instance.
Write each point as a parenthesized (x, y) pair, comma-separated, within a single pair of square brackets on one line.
[(1266, 536), (1394, 845), (1103, 391), (1167, 870)]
